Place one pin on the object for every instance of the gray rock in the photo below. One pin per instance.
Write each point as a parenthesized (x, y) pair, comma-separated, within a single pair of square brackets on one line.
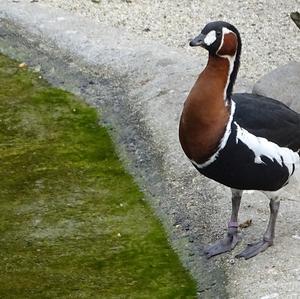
[(282, 84)]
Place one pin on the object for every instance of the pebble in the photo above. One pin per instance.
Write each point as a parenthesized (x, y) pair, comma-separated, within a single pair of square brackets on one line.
[(297, 237), (22, 65), (270, 296), (232, 261)]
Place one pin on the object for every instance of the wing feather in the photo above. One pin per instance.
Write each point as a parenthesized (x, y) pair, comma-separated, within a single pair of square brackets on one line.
[(268, 118)]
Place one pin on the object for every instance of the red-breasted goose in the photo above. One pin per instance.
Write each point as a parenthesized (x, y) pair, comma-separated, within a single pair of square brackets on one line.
[(244, 141)]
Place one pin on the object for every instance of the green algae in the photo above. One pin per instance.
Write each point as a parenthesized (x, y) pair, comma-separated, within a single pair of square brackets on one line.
[(73, 224)]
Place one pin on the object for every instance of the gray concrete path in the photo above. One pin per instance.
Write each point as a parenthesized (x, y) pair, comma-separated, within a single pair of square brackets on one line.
[(139, 86)]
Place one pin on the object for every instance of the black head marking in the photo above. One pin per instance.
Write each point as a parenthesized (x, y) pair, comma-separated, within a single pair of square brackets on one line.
[(217, 27), (211, 38)]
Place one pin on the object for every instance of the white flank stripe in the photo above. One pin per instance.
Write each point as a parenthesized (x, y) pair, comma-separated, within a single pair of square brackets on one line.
[(263, 147), (222, 143)]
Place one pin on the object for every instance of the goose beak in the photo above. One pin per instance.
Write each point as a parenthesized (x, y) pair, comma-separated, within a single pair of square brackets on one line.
[(198, 41)]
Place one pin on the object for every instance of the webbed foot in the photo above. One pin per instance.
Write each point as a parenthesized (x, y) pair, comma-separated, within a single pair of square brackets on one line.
[(253, 249), (224, 245)]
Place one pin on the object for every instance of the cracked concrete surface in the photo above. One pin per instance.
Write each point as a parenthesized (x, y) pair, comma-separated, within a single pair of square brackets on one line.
[(139, 86)]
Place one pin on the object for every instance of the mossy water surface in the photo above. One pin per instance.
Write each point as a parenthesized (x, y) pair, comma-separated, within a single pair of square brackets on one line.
[(73, 224)]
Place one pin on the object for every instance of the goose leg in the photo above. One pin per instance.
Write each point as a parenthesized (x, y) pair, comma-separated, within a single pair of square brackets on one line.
[(232, 237), (253, 249)]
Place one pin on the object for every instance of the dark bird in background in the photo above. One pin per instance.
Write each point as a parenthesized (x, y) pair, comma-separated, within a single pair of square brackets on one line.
[(243, 141)]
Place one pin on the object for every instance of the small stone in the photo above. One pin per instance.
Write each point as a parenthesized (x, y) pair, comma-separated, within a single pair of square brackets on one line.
[(246, 224), (270, 296), (22, 65), (231, 261), (96, 1), (37, 68), (295, 16)]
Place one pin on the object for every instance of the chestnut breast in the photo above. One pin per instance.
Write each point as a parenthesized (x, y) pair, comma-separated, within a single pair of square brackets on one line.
[(205, 115)]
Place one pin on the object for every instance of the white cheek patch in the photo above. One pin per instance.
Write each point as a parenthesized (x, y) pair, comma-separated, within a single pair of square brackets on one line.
[(210, 37)]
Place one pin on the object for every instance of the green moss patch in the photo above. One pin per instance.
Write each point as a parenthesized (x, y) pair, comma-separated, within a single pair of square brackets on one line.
[(73, 224)]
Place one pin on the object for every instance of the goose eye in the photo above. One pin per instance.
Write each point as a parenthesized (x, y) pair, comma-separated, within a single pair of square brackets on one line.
[(218, 33)]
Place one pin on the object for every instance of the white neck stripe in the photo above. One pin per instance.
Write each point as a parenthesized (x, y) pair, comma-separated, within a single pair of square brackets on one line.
[(231, 60)]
